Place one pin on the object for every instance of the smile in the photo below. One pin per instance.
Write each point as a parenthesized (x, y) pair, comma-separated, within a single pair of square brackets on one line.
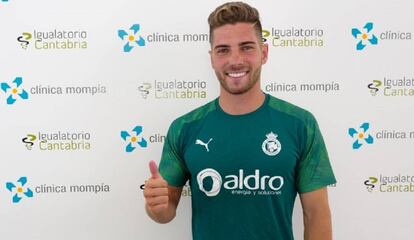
[(236, 74)]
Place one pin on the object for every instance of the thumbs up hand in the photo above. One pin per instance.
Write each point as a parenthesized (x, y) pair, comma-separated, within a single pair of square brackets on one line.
[(156, 191), (154, 170)]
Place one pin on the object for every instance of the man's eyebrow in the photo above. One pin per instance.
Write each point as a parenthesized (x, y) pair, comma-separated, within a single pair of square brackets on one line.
[(221, 46), (246, 43), (240, 44)]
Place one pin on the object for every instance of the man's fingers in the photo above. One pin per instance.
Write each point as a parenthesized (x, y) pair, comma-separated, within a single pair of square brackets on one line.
[(158, 209), (161, 200), (155, 192), (154, 169), (156, 183)]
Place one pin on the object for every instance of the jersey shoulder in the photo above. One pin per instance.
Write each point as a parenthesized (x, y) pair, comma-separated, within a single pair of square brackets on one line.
[(291, 110), (194, 115)]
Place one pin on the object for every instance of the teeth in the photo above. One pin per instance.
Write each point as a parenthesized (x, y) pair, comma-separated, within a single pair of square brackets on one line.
[(236, 75)]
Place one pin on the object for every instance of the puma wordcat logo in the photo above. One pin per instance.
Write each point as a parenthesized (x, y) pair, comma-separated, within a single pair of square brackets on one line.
[(199, 142)]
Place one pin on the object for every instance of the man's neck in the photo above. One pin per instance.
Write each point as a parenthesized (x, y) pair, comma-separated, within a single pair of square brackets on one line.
[(238, 104)]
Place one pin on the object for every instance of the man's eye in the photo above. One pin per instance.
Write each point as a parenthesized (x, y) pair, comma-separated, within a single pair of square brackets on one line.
[(222, 50), (246, 48)]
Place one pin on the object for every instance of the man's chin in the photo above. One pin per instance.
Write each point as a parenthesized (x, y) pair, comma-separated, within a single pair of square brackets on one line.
[(235, 91)]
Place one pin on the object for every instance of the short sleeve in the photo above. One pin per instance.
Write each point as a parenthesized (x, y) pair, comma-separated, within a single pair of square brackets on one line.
[(172, 166), (314, 169)]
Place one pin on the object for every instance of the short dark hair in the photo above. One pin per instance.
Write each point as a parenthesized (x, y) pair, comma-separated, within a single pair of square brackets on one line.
[(232, 13)]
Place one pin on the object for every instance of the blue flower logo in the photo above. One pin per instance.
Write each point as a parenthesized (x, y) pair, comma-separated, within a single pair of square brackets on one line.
[(134, 139), (14, 91), (360, 136), (131, 38), (19, 189), (365, 36)]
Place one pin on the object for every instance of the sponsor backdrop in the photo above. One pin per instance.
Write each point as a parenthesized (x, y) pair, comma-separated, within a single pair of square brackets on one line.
[(88, 90)]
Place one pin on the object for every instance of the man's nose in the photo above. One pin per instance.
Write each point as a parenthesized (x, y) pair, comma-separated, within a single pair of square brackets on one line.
[(236, 57)]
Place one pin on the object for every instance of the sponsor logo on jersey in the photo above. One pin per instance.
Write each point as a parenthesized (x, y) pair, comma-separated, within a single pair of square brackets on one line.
[(215, 177), (211, 183)]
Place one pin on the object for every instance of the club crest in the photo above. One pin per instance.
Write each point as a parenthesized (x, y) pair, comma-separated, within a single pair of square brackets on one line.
[(271, 145)]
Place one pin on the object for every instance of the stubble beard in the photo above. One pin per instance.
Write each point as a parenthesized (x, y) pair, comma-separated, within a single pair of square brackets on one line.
[(253, 79)]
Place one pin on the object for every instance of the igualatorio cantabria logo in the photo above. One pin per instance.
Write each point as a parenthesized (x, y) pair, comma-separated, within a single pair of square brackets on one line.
[(58, 141), (53, 39), (392, 87), (173, 89), (294, 37), (399, 183)]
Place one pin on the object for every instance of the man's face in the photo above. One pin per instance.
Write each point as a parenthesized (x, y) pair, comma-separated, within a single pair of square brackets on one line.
[(237, 56)]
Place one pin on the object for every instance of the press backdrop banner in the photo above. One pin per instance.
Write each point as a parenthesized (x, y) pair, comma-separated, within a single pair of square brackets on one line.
[(89, 89)]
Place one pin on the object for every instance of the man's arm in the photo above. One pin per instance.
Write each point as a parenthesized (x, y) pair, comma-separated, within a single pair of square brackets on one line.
[(316, 215), (161, 200)]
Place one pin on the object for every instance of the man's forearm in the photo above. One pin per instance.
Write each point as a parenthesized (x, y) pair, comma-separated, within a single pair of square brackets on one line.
[(318, 225)]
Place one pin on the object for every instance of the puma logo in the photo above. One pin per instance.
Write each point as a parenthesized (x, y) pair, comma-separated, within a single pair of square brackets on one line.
[(199, 142)]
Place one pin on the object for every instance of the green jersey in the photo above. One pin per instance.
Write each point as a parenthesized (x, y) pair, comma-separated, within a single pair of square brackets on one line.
[(245, 170)]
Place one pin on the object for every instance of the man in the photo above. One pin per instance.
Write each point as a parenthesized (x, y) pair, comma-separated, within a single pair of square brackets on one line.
[(246, 154)]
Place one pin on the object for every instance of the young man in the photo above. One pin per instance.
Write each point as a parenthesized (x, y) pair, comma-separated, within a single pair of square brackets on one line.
[(246, 154)]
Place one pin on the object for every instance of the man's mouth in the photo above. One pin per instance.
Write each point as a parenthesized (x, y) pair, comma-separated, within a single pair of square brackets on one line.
[(236, 74)]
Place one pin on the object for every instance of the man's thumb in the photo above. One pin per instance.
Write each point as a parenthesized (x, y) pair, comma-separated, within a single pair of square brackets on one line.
[(154, 169)]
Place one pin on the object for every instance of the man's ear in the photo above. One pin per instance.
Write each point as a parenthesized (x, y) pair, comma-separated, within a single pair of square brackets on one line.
[(210, 52), (265, 52)]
